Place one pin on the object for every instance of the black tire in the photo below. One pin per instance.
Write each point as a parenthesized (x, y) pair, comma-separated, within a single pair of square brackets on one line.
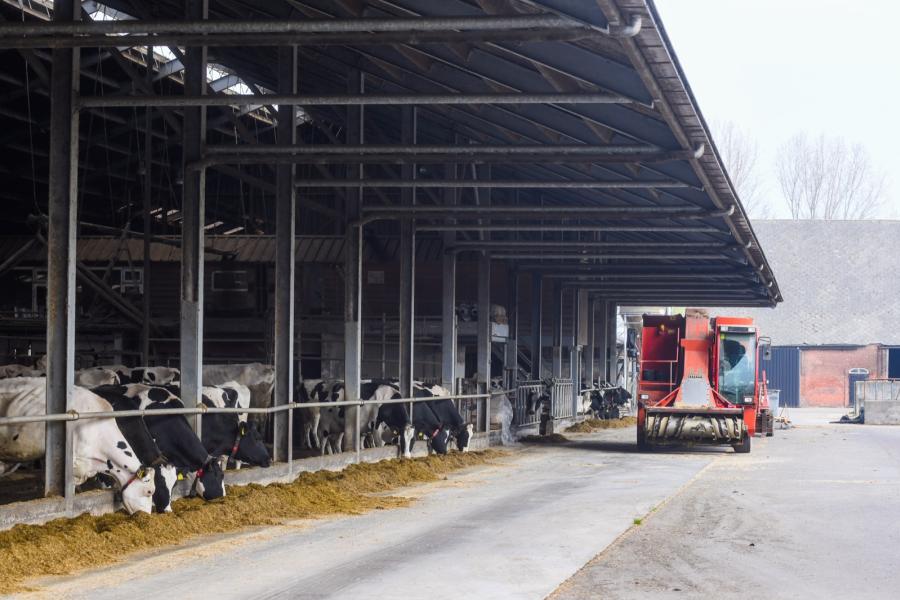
[(770, 429), (642, 444), (743, 447)]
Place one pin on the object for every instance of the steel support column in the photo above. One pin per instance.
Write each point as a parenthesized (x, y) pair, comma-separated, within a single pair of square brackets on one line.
[(537, 308), (589, 351), (193, 210), (602, 308), (285, 228), (612, 353), (148, 234), (512, 317), (483, 372), (61, 232), (353, 275), (575, 351), (407, 251), (557, 329), (448, 308)]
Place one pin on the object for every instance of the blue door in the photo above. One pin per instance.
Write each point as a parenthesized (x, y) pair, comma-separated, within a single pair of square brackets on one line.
[(783, 372)]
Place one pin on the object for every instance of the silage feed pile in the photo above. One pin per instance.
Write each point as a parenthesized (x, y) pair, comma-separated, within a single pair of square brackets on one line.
[(592, 425), (63, 546)]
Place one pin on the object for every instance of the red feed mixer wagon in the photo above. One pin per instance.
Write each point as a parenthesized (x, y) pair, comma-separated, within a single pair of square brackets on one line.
[(701, 381)]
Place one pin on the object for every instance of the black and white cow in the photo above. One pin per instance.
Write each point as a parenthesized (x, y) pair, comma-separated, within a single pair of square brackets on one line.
[(395, 418), (423, 422), (330, 430), (228, 435), (446, 412), (259, 379), (99, 446), (606, 402), (174, 435), (538, 400), (307, 426), (138, 435), (155, 375)]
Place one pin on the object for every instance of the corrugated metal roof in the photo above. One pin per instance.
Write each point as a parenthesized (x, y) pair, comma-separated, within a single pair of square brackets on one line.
[(242, 248), (663, 114)]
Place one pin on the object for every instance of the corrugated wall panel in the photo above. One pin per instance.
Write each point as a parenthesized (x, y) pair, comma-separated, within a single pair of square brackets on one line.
[(783, 372)]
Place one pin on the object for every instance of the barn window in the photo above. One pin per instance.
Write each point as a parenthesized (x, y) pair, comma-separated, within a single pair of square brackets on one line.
[(230, 281), (131, 281)]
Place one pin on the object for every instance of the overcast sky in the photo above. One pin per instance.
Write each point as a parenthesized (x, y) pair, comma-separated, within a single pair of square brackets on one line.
[(780, 67)]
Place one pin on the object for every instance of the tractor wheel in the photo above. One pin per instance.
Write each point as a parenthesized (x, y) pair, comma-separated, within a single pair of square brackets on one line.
[(743, 447), (770, 427), (642, 444)]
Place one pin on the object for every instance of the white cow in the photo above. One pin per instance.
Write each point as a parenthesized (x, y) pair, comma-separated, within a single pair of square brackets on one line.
[(95, 377), (155, 375), (8, 371), (259, 379), (99, 445)]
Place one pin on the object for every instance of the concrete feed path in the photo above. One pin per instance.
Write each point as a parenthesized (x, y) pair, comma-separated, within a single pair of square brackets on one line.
[(817, 503)]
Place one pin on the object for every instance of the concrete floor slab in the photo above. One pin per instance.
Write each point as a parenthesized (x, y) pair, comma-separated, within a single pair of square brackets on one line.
[(809, 513), (511, 530)]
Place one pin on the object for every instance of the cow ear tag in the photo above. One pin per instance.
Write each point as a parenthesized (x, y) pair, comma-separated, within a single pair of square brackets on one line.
[(180, 477), (243, 429)]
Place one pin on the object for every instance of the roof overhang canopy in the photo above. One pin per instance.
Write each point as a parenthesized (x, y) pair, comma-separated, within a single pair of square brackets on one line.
[(559, 136)]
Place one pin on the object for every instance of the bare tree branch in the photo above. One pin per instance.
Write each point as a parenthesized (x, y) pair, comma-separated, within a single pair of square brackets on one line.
[(741, 156), (826, 178)]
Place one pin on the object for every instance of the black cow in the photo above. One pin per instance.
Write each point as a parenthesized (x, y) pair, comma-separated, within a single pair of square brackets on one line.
[(141, 441), (226, 435), (445, 411), (396, 417), (427, 423), (175, 437)]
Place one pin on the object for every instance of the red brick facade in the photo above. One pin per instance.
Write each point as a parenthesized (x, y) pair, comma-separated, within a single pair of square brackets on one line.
[(823, 372)]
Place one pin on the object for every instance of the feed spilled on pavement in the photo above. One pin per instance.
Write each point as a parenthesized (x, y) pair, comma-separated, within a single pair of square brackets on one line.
[(66, 545), (592, 425)]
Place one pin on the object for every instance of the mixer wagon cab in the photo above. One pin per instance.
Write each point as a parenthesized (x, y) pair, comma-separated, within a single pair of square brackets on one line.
[(701, 381)]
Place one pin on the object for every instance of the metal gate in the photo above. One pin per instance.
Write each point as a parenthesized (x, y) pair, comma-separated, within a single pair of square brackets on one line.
[(520, 410), (783, 373), (561, 399)]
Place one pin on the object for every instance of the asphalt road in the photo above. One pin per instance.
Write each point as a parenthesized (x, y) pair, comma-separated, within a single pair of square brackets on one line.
[(810, 512)]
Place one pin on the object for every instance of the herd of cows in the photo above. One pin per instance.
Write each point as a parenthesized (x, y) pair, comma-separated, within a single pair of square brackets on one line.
[(145, 457)]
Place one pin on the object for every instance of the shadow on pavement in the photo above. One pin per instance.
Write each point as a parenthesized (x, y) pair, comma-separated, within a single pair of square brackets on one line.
[(628, 447)]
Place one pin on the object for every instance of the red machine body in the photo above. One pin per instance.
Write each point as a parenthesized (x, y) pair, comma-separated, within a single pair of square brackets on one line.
[(701, 381)]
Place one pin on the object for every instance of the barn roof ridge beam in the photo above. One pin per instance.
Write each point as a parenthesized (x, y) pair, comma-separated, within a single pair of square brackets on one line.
[(549, 213), (591, 228), (424, 149), (644, 211), (623, 277), (248, 40), (508, 184), (489, 244), (163, 28), (475, 153), (580, 256), (353, 99)]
